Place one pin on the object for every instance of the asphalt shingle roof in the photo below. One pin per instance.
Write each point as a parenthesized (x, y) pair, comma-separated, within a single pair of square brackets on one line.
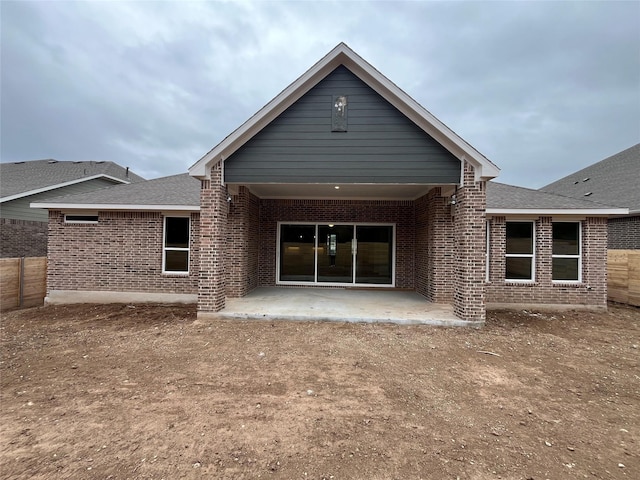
[(501, 195), (21, 177), (181, 190), (613, 181)]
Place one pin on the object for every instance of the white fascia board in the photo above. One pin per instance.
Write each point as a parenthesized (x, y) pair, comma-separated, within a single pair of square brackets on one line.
[(557, 211), (60, 185), (108, 206), (343, 55)]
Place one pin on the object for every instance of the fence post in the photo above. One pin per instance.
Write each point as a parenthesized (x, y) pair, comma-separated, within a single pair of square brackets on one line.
[(21, 282)]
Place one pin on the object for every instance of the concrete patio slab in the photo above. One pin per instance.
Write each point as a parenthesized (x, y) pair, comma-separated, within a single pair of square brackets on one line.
[(341, 305)]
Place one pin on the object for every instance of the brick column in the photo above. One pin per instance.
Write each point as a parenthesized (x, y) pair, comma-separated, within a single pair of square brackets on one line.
[(469, 229), (213, 227), (544, 250)]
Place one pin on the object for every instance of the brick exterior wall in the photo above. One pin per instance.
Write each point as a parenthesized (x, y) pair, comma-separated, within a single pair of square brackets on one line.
[(242, 243), (433, 276), (624, 233), (591, 291), (327, 211), (469, 237), (122, 252), (22, 238), (214, 210)]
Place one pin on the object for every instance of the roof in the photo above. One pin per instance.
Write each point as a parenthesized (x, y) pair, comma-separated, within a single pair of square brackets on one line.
[(343, 55), (613, 181), (20, 179), (176, 192), (182, 192), (508, 199)]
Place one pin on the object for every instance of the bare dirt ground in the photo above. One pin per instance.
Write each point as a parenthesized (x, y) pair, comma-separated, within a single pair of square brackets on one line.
[(142, 392)]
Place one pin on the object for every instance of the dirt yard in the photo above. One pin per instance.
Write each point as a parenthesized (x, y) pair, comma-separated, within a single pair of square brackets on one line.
[(142, 392)]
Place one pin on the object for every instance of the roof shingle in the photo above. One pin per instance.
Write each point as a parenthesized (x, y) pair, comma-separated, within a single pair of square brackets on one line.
[(503, 196), (613, 181), (175, 190), (22, 177)]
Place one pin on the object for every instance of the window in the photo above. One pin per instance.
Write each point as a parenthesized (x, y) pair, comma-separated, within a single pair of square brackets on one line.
[(81, 219), (566, 252), (176, 245), (519, 251)]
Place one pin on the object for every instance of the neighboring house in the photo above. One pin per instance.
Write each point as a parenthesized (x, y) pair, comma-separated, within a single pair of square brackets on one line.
[(342, 180), (612, 181), (23, 230)]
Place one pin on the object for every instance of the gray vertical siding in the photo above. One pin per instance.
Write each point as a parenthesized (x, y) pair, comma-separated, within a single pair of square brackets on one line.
[(380, 145)]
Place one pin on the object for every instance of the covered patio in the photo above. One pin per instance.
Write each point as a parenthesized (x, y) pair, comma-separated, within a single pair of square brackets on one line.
[(342, 305)]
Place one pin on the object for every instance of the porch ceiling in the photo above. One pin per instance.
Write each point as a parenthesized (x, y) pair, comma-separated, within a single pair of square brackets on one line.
[(344, 192)]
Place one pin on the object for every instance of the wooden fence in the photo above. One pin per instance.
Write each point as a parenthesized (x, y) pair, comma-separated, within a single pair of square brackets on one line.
[(23, 282), (623, 275)]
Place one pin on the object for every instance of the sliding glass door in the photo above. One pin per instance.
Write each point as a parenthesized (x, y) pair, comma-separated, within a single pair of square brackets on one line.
[(374, 254), (338, 254), (335, 254), (297, 253)]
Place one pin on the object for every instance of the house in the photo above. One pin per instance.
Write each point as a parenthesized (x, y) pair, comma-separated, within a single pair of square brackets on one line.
[(612, 181), (23, 231), (341, 181)]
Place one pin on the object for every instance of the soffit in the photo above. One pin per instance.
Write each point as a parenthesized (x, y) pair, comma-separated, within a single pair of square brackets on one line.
[(345, 192)]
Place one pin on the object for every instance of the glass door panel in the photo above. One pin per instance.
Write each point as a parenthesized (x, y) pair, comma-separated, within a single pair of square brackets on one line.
[(297, 253), (335, 255), (374, 256)]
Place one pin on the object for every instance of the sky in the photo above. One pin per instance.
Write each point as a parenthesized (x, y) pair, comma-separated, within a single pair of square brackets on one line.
[(541, 88)]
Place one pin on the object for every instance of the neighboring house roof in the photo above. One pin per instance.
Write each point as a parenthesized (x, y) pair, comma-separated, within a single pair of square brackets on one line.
[(343, 55), (503, 199), (21, 179), (613, 181), (176, 192)]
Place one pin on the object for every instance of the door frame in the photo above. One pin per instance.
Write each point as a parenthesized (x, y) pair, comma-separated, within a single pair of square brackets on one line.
[(315, 281)]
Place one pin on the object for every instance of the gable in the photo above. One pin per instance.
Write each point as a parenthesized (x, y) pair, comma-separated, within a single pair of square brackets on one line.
[(380, 144), (342, 55)]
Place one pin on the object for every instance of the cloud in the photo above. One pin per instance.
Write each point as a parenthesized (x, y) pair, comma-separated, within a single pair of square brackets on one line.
[(541, 88)]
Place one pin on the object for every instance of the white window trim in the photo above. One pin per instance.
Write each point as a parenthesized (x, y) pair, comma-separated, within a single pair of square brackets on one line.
[(522, 255), (166, 249), (578, 256)]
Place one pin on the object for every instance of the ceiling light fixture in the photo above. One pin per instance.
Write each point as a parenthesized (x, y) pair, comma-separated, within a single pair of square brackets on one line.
[(337, 187)]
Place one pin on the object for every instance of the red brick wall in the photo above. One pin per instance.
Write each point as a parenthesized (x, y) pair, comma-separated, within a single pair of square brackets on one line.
[(242, 243), (591, 291), (22, 238), (435, 247), (122, 252), (624, 233), (326, 211)]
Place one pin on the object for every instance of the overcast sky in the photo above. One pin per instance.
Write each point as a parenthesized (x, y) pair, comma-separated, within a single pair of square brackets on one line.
[(540, 88)]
